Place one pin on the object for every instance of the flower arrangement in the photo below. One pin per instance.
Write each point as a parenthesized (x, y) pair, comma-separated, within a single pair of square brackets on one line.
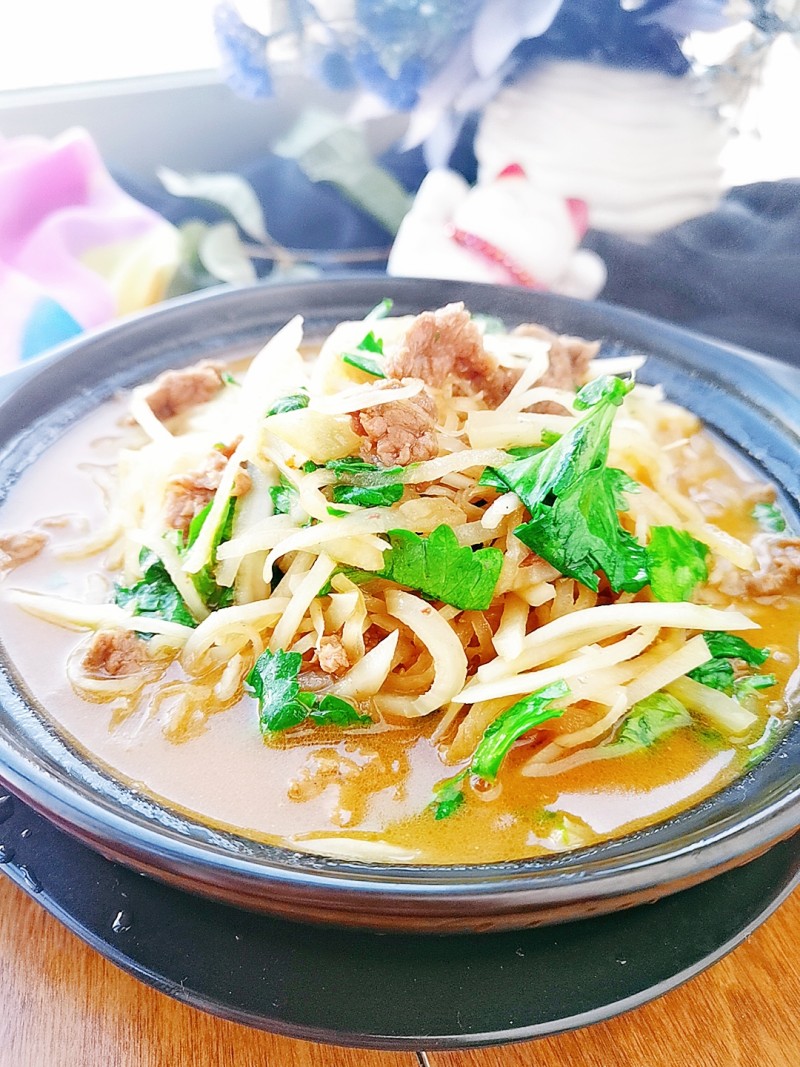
[(441, 60)]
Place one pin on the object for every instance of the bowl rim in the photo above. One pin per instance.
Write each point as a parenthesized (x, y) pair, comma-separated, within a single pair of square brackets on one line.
[(573, 875)]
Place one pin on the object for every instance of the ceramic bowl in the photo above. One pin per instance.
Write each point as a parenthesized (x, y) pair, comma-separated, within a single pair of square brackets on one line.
[(750, 402)]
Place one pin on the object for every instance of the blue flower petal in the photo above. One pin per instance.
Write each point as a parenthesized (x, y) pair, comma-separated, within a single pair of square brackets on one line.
[(243, 52)]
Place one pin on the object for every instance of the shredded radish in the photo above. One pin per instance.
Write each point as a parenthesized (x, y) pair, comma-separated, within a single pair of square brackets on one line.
[(367, 676), (443, 644), (78, 616), (716, 707), (689, 656), (594, 624), (366, 397), (590, 661)]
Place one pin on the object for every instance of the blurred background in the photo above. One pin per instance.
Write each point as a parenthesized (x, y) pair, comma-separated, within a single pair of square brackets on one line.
[(646, 152)]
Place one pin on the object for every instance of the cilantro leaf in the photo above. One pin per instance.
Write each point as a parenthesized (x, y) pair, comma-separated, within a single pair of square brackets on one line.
[(282, 704), (676, 563), (498, 737), (573, 498), (294, 402), (511, 724), (369, 366), (769, 517), (229, 379), (442, 569), (371, 343), (273, 682), (366, 496), (358, 577), (154, 595), (649, 720)]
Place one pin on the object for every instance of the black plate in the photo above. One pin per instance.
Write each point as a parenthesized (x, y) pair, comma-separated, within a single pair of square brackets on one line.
[(750, 402), (394, 991)]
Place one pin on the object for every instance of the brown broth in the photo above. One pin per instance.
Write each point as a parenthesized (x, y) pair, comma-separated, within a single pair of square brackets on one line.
[(375, 784)]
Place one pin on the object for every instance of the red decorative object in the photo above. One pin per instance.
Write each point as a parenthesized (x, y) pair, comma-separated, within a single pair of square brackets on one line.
[(486, 250)]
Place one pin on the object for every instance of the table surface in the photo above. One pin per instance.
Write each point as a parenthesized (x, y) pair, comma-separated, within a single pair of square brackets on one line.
[(63, 1005)]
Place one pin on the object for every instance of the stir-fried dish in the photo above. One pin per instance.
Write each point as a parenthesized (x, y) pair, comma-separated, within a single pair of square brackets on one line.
[(435, 592)]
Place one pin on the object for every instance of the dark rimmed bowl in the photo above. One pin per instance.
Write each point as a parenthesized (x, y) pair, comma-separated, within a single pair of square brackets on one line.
[(749, 401)]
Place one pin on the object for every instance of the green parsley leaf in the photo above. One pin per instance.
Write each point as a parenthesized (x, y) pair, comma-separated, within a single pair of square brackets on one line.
[(371, 343), (213, 596), (294, 402), (676, 563), (769, 517), (381, 310), (498, 737), (355, 471), (580, 533), (366, 496), (489, 476), (442, 569), (282, 704), (717, 673), (229, 379), (721, 643), (573, 498), (650, 719), (154, 595), (511, 724)]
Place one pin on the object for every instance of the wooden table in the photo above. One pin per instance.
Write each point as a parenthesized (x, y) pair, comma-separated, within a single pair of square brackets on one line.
[(63, 1005)]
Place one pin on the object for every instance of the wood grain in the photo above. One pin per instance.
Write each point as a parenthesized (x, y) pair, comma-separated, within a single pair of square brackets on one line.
[(63, 1005)]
